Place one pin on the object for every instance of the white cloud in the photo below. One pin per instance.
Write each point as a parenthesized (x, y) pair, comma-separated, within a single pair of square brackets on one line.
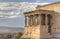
[(15, 9)]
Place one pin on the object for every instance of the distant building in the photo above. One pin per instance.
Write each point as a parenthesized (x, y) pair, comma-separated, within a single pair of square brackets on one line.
[(42, 23), (8, 36)]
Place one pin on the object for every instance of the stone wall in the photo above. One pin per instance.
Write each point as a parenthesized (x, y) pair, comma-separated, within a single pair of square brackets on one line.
[(32, 31), (56, 24)]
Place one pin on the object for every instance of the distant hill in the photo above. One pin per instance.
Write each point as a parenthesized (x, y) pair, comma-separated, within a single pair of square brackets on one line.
[(4, 29)]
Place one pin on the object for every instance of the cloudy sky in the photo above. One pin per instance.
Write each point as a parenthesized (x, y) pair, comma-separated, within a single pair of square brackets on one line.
[(11, 11)]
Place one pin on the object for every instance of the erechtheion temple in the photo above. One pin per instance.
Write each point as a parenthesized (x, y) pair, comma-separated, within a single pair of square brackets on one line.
[(43, 23)]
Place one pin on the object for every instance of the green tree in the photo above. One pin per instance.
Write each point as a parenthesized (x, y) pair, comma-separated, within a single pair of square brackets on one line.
[(19, 35)]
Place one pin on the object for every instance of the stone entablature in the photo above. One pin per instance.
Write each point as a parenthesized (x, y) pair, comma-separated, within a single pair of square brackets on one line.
[(38, 12)]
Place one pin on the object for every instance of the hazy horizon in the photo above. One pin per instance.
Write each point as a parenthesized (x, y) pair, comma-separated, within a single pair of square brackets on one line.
[(11, 29)]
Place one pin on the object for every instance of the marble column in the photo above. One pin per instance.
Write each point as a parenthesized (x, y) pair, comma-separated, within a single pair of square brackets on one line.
[(39, 19), (36, 19), (29, 20), (32, 20), (25, 20), (46, 19)]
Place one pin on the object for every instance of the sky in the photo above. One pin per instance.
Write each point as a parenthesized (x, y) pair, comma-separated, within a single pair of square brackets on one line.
[(29, 0), (12, 11)]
